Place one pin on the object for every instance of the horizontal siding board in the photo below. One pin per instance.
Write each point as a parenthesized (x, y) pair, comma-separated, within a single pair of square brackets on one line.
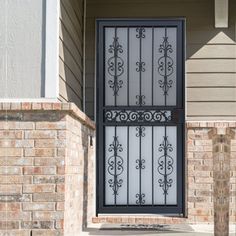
[(69, 77), (69, 94), (154, 8), (61, 98), (71, 10), (70, 45), (211, 94), (67, 58), (210, 35), (70, 53), (77, 36), (211, 65), (211, 108), (211, 80), (78, 5), (201, 51), (64, 35)]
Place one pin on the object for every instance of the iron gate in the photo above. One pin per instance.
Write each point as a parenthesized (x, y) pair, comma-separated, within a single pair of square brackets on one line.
[(140, 116)]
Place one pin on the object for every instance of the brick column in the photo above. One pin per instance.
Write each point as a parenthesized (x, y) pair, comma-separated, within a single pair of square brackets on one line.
[(199, 173), (221, 174), (211, 172), (44, 159)]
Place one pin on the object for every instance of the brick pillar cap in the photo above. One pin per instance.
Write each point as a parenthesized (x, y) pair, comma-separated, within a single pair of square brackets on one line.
[(70, 108)]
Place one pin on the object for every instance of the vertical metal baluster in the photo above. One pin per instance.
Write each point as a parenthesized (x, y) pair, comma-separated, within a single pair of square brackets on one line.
[(127, 165), (140, 169), (152, 105), (115, 56), (152, 65), (152, 169), (115, 176), (165, 176), (165, 75), (140, 71), (128, 66)]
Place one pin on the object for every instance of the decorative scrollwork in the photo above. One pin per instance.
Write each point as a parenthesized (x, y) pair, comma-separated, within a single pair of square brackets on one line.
[(140, 198), (140, 130), (140, 32), (140, 67), (115, 165), (140, 164), (140, 100), (165, 65), (165, 165), (115, 66), (137, 116)]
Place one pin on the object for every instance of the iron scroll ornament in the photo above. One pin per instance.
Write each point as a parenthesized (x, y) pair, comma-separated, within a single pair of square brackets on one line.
[(115, 165), (165, 65), (140, 65), (115, 66), (140, 166), (165, 165), (129, 116)]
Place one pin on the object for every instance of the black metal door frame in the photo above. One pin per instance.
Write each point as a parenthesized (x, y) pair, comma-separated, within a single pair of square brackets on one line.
[(178, 111)]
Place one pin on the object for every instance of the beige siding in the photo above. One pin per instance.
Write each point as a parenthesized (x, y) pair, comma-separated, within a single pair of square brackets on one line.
[(210, 52), (71, 52)]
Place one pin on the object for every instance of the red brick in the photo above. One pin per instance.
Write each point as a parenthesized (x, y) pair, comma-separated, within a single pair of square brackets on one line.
[(26, 106), (47, 170), (60, 206), (60, 188), (38, 188), (15, 215), (49, 179), (38, 161), (10, 170), (48, 197), (40, 134), (40, 152), (10, 206), (11, 152), (38, 206), (10, 189), (16, 161), (7, 134), (49, 143), (47, 233), (56, 106), (11, 179), (51, 125), (9, 225), (49, 215)]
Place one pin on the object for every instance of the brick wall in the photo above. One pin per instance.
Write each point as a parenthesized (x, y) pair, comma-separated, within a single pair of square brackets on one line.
[(199, 178), (44, 154), (199, 190), (47, 168), (206, 165)]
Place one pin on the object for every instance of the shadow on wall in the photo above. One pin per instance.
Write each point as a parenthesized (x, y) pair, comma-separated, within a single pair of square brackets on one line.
[(71, 52)]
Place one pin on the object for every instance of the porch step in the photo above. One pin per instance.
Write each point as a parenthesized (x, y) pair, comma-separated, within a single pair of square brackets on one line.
[(140, 219)]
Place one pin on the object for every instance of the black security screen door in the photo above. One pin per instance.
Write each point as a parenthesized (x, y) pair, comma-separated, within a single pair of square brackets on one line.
[(140, 116)]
